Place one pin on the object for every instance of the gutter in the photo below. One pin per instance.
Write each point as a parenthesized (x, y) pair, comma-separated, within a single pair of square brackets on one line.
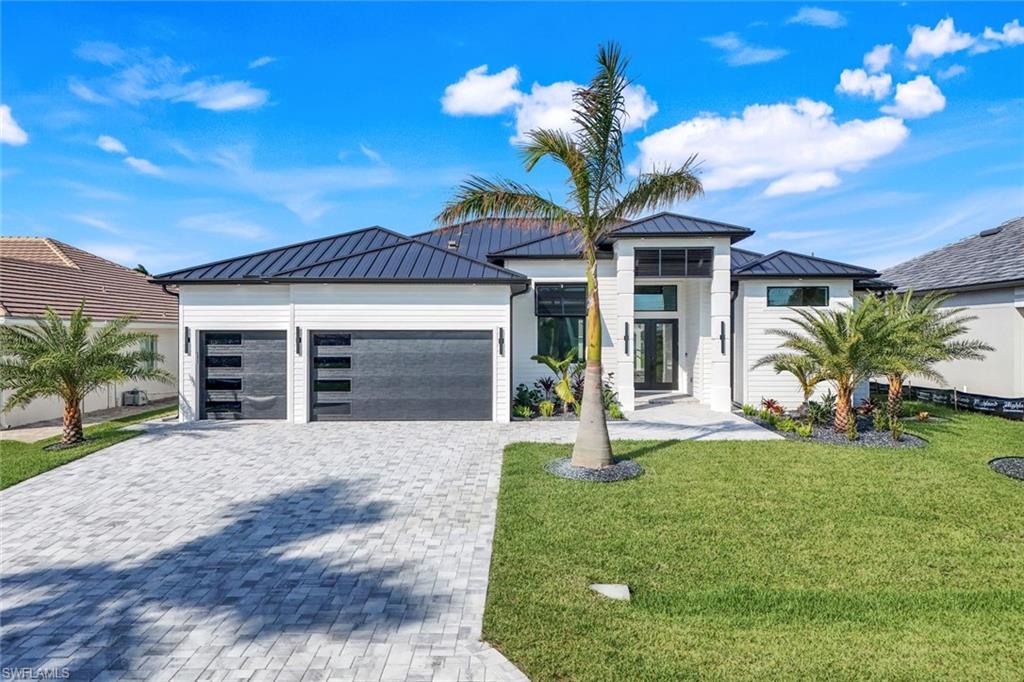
[(511, 336)]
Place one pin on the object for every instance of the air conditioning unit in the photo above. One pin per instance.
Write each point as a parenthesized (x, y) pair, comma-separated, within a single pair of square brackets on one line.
[(134, 397)]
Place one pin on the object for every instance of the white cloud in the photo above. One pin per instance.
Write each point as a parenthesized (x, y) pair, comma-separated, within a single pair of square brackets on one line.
[(482, 94), (111, 144), (934, 42), (878, 58), (858, 82), (544, 106), (10, 132), (916, 99), (796, 147), (1012, 33), (952, 72), (98, 223), (371, 153), (740, 53), (143, 166), (816, 16), (139, 76), (261, 61), (227, 224)]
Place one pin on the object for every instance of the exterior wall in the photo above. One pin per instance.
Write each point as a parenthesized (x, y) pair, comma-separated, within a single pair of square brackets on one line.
[(1000, 324), (524, 318), (314, 307), (754, 342), (43, 409)]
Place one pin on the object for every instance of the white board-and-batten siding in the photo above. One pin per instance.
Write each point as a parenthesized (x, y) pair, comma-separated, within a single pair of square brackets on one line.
[(342, 307)]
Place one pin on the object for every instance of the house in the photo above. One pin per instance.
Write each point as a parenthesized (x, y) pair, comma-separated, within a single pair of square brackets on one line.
[(36, 272), (985, 274), (373, 324)]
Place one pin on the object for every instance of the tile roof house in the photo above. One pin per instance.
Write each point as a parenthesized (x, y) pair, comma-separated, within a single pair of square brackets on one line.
[(39, 272), (374, 324), (985, 274)]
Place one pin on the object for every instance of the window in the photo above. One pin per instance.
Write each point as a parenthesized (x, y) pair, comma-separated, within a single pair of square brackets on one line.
[(333, 362), (223, 360), (797, 296), (215, 384), (673, 262), (333, 385), (149, 345), (561, 312), (333, 340), (654, 298)]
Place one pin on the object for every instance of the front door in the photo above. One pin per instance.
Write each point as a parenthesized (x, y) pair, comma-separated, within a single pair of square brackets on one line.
[(655, 355)]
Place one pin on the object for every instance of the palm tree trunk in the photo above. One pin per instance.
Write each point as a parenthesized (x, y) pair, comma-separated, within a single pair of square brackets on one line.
[(593, 448), (844, 397), (895, 398), (72, 423)]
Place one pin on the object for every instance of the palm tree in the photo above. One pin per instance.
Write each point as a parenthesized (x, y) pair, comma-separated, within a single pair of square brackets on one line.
[(806, 371), (562, 369), (923, 334), (846, 343), (70, 360), (597, 202)]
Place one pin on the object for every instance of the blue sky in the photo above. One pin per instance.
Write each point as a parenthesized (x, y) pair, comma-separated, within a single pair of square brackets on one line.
[(175, 134)]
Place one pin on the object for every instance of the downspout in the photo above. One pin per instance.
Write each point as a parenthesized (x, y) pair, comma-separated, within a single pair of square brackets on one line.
[(509, 342)]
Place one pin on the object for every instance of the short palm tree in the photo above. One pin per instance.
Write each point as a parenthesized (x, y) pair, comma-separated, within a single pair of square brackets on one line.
[(846, 343), (597, 203), (923, 333), (562, 369), (70, 360), (804, 369)]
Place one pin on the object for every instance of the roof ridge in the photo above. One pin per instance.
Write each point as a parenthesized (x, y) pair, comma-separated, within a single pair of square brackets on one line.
[(277, 248), (779, 252), (682, 215), (530, 241), (466, 223), (53, 244)]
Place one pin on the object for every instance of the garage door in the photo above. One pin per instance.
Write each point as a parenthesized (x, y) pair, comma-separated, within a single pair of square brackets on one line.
[(243, 375), (414, 375)]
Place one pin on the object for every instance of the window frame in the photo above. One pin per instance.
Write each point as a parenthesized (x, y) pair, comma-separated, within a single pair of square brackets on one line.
[(803, 289), (150, 343), (686, 253), (663, 287), (581, 319)]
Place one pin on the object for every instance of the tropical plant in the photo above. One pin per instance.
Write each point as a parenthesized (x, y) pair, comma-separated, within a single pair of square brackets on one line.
[(896, 429), (70, 360), (562, 369), (546, 408), (749, 410), (526, 396), (787, 424), (547, 386), (867, 407), (880, 420), (771, 405), (845, 342), (615, 411), (522, 411), (820, 413), (804, 430), (804, 369), (923, 333), (592, 155)]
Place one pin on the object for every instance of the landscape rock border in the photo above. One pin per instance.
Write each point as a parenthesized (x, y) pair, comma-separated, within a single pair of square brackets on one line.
[(1010, 465), (623, 470)]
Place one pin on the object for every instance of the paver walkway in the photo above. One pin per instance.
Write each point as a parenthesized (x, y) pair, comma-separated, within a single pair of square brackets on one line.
[(264, 551)]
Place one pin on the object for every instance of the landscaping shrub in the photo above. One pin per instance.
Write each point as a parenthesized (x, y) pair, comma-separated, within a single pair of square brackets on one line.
[(880, 420), (546, 408), (749, 410), (804, 430), (523, 411), (771, 405)]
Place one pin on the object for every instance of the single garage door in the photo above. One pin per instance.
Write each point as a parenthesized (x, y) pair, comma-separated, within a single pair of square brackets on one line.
[(243, 375), (412, 375)]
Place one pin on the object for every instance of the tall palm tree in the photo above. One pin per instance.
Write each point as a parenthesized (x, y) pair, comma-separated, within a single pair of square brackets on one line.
[(924, 333), (846, 343), (597, 202), (70, 360)]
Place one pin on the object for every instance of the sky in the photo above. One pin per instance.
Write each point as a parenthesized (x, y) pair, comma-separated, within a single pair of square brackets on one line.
[(175, 134)]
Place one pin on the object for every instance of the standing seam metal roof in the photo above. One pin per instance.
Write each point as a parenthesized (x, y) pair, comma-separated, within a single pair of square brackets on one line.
[(789, 264)]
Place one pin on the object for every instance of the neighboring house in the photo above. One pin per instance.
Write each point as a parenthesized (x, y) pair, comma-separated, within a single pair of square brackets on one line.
[(373, 324), (985, 274), (36, 272)]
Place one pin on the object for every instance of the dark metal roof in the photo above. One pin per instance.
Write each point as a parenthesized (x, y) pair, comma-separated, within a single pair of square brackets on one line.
[(995, 257), (478, 238), (676, 225), (741, 257), (561, 245), (373, 253), (789, 264)]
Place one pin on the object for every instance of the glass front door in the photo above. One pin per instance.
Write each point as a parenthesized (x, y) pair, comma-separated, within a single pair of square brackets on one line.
[(655, 355)]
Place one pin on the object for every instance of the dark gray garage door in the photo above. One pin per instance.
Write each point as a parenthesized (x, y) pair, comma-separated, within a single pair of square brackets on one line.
[(415, 375), (243, 375)]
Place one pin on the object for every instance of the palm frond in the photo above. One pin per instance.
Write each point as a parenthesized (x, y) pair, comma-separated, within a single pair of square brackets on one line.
[(561, 147), (482, 198), (656, 190)]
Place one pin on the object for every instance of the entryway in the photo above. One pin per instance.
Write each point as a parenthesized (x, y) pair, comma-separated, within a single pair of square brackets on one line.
[(655, 355)]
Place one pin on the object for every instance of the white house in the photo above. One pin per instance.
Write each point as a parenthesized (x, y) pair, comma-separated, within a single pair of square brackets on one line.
[(38, 272), (373, 324), (985, 274)]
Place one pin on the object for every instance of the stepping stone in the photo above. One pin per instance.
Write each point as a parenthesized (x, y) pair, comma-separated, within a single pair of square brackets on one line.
[(612, 590)]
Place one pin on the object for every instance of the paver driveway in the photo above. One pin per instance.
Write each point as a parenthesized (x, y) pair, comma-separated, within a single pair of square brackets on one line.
[(265, 551)]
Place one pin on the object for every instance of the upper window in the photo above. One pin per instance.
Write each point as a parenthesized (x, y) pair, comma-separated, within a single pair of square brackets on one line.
[(561, 300), (561, 311), (149, 345), (654, 298), (673, 262), (797, 296)]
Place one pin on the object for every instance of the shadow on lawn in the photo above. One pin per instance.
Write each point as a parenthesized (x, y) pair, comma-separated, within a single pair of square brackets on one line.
[(241, 580)]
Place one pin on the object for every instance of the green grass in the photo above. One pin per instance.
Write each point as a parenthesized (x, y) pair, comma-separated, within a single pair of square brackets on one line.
[(20, 461), (768, 560)]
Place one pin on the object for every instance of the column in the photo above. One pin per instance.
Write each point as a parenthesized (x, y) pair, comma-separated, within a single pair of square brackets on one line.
[(622, 364), (721, 341)]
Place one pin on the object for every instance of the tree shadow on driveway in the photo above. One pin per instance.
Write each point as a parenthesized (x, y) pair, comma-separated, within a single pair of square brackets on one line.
[(278, 566)]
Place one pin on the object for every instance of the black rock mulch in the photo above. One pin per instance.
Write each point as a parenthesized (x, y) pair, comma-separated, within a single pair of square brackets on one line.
[(866, 435), (1009, 466), (620, 471), (65, 446)]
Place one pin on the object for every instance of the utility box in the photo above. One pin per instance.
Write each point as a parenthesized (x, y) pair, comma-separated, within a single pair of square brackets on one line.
[(134, 397)]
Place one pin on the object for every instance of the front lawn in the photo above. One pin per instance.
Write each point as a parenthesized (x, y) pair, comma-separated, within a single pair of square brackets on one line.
[(20, 461), (768, 560)]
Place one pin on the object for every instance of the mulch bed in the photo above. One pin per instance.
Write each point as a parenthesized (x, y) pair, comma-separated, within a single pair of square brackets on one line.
[(866, 435), (54, 447), (1009, 466), (620, 471)]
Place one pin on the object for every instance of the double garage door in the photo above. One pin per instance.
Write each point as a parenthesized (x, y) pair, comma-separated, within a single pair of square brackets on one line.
[(353, 375)]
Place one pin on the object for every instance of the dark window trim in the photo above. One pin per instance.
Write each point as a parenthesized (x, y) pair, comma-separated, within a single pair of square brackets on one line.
[(802, 304), (559, 285), (686, 250), (663, 309)]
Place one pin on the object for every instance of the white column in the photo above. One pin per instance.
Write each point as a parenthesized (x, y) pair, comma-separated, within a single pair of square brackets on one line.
[(623, 363), (720, 393)]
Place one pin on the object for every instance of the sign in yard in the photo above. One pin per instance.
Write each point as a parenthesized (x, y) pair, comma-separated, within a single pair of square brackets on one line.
[(1011, 408)]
